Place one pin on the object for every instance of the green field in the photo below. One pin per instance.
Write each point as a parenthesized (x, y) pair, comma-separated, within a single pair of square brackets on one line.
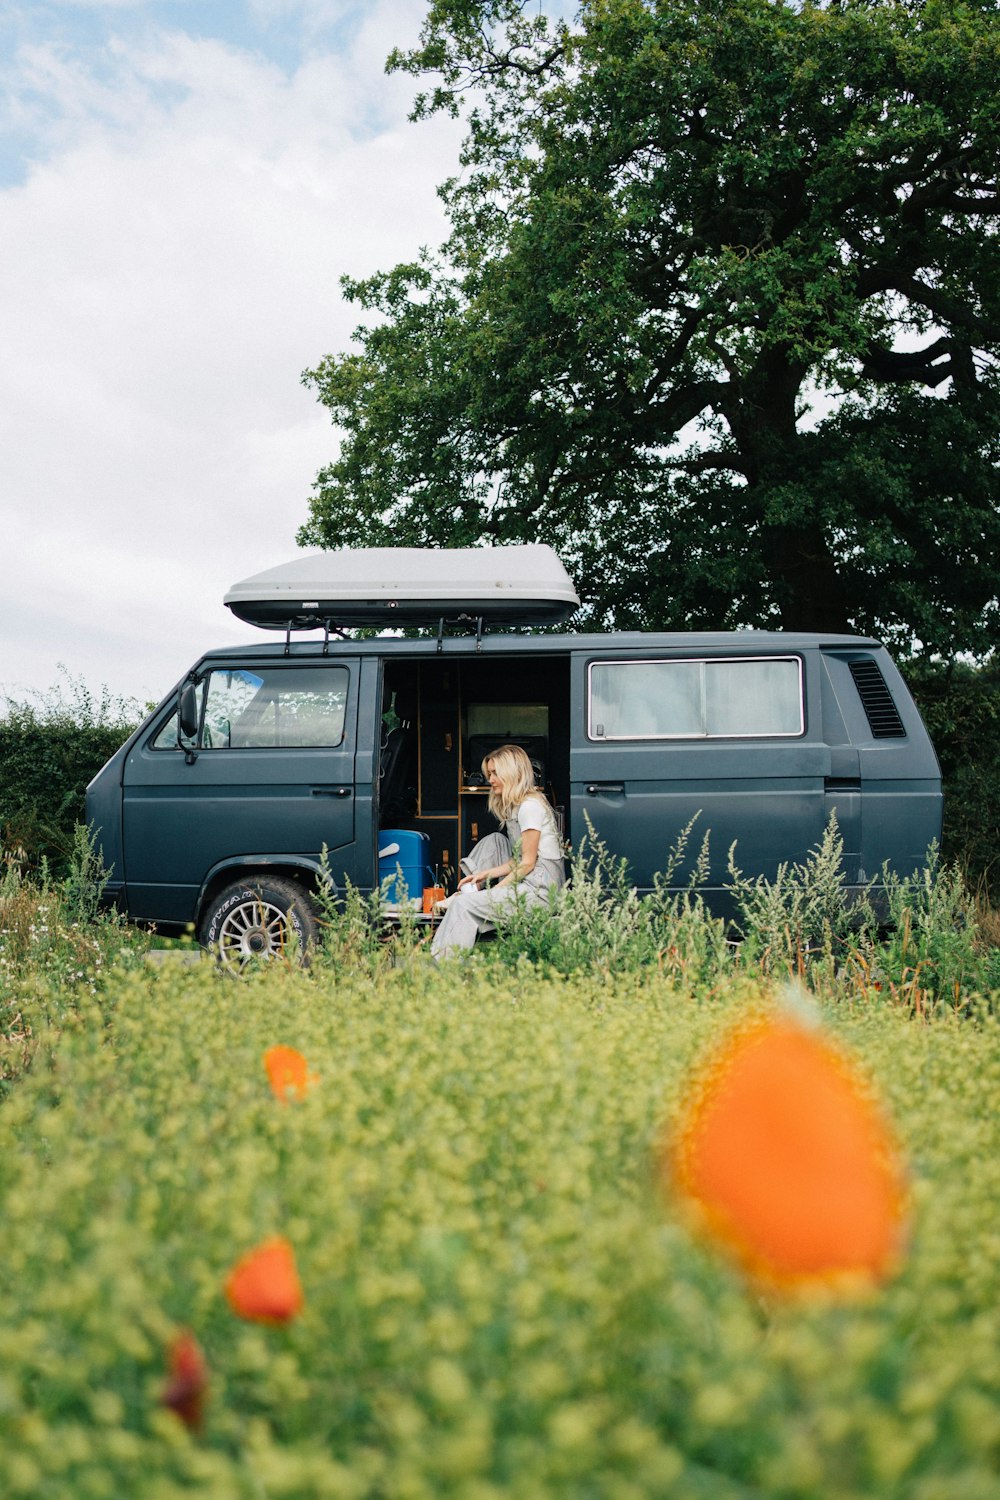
[(499, 1302)]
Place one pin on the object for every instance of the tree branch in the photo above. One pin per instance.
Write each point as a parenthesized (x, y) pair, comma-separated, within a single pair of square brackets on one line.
[(878, 279), (892, 366), (703, 463)]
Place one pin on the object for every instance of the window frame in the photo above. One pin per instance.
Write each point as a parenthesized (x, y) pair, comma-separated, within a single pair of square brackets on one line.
[(701, 661)]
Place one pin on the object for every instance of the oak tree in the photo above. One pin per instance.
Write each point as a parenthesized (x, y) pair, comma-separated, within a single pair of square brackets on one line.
[(718, 315)]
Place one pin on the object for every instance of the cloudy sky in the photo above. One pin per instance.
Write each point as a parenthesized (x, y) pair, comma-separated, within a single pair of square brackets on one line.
[(182, 184)]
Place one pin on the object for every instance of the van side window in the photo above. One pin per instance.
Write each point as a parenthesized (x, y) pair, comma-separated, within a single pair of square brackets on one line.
[(270, 708), (737, 697), (166, 736)]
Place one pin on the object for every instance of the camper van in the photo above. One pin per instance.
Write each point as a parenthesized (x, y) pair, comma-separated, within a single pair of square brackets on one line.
[(331, 750)]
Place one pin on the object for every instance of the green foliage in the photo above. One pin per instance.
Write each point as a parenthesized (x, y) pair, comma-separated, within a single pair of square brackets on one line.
[(86, 878), (355, 931), (499, 1302), (771, 224), (599, 921), (49, 750), (932, 946), (918, 940), (960, 705), (804, 916), (56, 950)]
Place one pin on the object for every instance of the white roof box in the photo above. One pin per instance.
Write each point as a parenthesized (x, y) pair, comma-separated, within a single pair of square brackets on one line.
[(394, 585)]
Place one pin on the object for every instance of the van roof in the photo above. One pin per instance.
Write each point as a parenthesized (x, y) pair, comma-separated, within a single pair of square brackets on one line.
[(616, 643)]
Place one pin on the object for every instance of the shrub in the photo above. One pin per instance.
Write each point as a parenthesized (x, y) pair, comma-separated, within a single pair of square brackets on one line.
[(598, 921), (918, 939), (55, 950), (932, 952), (805, 915), (49, 750), (355, 934), (960, 705)]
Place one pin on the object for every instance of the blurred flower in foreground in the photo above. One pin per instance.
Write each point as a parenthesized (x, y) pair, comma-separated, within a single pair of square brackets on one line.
[(287, 1072), (788, 1162), (187, 1384), (264, 1284)]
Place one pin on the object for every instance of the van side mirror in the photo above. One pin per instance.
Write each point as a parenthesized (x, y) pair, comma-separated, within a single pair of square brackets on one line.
[(187, 719)]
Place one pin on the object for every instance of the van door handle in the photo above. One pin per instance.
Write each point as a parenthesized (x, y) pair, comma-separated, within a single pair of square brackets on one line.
[(595, 788), (331, 791)]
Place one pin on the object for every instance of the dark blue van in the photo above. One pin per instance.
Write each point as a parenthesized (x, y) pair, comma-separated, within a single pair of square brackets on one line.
[(216, 811)]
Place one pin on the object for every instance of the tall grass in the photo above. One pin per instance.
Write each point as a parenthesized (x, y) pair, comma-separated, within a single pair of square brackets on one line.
[(56, 946), (918, 940)]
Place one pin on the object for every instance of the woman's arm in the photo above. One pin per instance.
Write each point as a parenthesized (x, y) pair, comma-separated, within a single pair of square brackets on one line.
[(530, 839)]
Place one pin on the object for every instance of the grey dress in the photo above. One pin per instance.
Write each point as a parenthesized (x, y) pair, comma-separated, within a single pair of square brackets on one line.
[(473, 912)]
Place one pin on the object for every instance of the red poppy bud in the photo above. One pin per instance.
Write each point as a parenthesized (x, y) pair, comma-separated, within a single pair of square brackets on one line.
[(187, 1385)]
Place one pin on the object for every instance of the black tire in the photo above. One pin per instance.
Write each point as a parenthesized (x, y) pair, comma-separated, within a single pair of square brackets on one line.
[(256, 920)]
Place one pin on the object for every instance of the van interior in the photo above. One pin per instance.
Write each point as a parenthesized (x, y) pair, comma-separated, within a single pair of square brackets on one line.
[(441, 718)]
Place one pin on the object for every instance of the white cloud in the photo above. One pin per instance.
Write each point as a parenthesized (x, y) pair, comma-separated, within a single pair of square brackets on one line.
[(170, 268)]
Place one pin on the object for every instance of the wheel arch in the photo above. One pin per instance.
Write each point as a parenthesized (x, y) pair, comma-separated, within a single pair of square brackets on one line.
[(307, 873)]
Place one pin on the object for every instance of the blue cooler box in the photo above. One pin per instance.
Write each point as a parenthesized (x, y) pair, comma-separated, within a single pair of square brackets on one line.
[(402, 849)]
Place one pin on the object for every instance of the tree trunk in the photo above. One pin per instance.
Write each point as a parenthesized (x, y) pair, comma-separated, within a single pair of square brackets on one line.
[(807, 585)]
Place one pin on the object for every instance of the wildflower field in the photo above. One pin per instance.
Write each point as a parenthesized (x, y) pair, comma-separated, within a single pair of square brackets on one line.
[(480, 1285)]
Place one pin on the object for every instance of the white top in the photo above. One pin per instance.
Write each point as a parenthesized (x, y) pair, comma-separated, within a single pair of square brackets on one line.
[(536, 813)]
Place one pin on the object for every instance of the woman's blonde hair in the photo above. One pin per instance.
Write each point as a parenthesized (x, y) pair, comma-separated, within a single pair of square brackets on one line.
[(517, 777)]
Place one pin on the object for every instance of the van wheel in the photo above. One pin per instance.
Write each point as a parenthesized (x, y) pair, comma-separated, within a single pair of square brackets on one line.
[(259, 920)]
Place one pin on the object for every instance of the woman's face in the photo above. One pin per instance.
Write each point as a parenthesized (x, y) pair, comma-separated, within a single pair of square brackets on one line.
[(496, 785)]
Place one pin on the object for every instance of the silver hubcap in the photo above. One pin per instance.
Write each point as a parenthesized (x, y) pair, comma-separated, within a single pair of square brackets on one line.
[(254, 929)]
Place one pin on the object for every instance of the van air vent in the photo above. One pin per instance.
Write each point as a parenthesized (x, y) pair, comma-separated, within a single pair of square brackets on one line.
[(876, 700)]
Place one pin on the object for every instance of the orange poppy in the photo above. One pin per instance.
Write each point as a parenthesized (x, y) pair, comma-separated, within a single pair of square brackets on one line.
[(787, 1160), (287, 1072), (188, 1379), (264, 1284)]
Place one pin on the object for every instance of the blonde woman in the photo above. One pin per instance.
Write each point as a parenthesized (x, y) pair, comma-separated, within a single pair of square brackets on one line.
[(492, 879)]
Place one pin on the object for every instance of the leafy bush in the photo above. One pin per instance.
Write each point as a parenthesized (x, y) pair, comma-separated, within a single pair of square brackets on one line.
[(49, 750), (804, 915), (355, 933), (932, 948)]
